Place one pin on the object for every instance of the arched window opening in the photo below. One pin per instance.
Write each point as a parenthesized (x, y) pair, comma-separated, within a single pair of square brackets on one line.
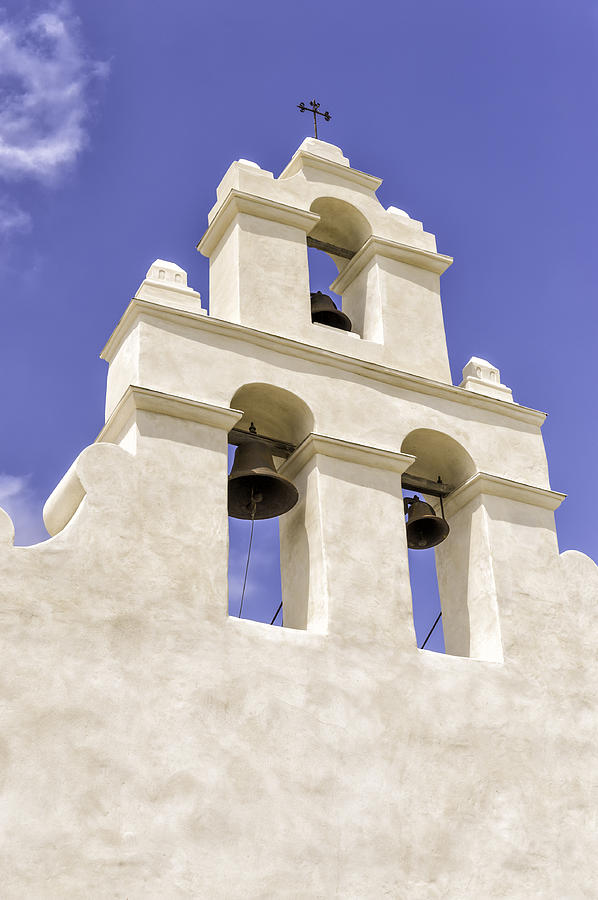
[(341, 225), (438, 574), (261, 580), (279, 421), (429, 632), (340, 233), (322, 273)]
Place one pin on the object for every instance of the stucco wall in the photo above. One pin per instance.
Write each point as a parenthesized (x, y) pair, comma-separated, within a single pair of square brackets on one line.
[(153, 747)]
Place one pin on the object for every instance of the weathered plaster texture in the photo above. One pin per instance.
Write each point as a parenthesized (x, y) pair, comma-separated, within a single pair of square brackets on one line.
[(153, 747)]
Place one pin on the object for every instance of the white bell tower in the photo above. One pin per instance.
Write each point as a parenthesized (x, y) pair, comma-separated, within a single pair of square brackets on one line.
[(389, 270), (153, 746)]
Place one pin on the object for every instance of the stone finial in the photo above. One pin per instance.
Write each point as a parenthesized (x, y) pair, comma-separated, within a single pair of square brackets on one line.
[(482, 377), (325, 150), (165, 279), (167, 272)]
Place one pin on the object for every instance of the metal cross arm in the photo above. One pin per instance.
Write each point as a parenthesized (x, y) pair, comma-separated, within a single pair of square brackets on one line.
[(315, 109)]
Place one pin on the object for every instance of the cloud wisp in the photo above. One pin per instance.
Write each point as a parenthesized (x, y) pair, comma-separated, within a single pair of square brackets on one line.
[(45, 83), (19, 500), (12, 217)]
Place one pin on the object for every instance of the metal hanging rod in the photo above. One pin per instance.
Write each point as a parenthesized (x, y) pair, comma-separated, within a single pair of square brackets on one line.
[(279, 448), (330, 248), (284, 449), (426, 486)]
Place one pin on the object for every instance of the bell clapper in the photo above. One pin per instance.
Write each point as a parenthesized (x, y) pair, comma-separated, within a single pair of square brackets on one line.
[(252, 505)]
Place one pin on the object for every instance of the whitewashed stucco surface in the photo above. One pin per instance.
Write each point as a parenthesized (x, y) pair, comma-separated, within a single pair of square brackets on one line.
[(153, 747)]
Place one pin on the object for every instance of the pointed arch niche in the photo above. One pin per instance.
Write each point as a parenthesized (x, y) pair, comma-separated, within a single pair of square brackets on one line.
[(282, 416), (340, 233), (466, 589)]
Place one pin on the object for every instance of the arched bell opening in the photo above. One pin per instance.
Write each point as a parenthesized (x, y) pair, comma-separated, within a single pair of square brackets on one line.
[(425, 595), (435, 549), (274, 422), (340, 233), (322, 272)]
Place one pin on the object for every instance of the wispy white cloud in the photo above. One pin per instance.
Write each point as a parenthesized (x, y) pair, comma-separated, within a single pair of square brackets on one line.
[(45, 96), (19, 500), (12, 217)]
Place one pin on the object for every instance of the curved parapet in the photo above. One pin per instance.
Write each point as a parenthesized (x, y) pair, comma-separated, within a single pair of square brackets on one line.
[(581, 580), (64, 501), (7, 529), (576, 561), (95, 470)]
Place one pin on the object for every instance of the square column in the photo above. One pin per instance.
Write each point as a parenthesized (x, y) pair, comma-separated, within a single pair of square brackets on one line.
[(391, 292), (499, 569), (343, 547), (259, 274)]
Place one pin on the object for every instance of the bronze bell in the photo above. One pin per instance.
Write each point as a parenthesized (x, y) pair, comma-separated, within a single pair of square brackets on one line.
[(424, 528), (255, 485), (324, 311)]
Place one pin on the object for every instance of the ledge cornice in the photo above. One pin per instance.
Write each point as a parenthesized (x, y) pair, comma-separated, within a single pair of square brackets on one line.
[(362, 368), (140, 398), (496, 486), (362, 454), (303, 159), (237, 202), (376, 246)]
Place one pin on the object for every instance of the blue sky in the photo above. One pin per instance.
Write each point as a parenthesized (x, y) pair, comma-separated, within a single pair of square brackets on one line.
[(118, 119)]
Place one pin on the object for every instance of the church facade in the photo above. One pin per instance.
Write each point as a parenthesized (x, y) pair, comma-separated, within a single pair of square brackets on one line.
[(154, 746)]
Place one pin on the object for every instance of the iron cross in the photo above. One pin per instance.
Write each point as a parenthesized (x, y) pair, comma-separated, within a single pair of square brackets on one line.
[(315, 109)]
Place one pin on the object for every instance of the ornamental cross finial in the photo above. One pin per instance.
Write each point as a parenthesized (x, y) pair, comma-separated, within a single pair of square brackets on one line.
[(315, 109)]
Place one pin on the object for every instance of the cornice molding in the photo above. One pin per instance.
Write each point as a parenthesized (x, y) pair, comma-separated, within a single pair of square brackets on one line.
[(376, 246), (140, 398), (237, 202), (304, 159), (347, 451), (496, 486), (362, 368)]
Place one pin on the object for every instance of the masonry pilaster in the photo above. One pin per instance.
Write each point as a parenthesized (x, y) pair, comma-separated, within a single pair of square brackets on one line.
[(344, 556)]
